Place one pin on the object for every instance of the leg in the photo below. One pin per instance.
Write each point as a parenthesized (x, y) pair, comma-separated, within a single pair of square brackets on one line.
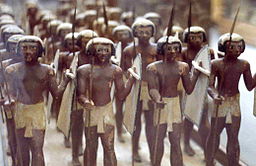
[(12, 140), (76, 135), (213, 140), (188, 127), (23, 148), (150, 131), (159, 147), (204, 130), (233, 149), (90, 152), (119, 119), (136, 134), (174, 138), (36, 146), (107, 140)]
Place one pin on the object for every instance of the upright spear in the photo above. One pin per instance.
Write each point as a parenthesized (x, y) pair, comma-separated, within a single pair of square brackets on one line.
[(105, 17)]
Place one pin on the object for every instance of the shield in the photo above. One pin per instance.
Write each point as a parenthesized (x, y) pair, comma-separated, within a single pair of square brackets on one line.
[(118, 54), (132, 99), (254, 105), (194, 103), (116, 60), (63, 122), (50, 98)]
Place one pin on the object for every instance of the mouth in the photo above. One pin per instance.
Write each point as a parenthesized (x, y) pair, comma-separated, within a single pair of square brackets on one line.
[(28, 58)]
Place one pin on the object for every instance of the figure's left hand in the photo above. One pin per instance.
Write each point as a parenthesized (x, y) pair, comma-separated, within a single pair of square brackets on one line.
[(69, 74), (199, 67)]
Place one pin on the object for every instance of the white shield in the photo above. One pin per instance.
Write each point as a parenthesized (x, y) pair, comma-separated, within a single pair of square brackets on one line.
[(254, 105), (133, 98), (194, 103), (50, 98), (64, 119)]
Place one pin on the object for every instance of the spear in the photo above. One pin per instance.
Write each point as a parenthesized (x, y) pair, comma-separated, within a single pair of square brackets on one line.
[(105, 17), (169, 31), (9, 100), (189, 16)]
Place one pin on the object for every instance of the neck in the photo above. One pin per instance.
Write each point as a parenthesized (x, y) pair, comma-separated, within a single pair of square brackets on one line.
[(34, 63), (194, 48), (228, 58), (143, 42)]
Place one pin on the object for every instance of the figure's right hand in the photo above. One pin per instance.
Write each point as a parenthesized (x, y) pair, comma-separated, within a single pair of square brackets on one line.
[(218, 99), (9, 105), (160, 104), (88, 105), (2, 101)]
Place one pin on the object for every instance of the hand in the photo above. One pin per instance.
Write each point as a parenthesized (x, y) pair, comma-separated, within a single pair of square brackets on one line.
[(160, 104), (69, 74), (88, 104), (2, 101), (9, 105), (218, 99), (133, 73)]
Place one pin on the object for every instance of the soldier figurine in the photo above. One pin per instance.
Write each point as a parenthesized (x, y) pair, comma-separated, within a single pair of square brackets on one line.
[(28, 82), (226, 96), (143, 29), (122, 34), (7, 33), (163, 81), (156, 19), (14, 58), (127, 18), (94, 85), (77, 126), (195, 37)]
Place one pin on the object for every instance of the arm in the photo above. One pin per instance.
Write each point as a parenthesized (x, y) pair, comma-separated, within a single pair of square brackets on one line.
[(127, 57), (153, 83), (188, 79), (249, 81), (122, 89), (213, 92), (82, 87), (56, 90)]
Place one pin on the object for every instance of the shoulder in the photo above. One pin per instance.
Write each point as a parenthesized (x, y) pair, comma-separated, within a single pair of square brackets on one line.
[(6, 63), (14, 68), (128, 49), (153, 66), (117, 69), (244, 63), (47, 69), (83, 68)]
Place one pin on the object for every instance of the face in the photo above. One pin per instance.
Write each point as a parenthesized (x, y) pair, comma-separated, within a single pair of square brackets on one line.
[(12, 47), (171, 51), (196, 39), (29, 51), (123, 35), (70, 45), (85, 41), (234, 49), (128, 21), (103, 53), (63, 32), (144, 33), (6, 36), (32, 11)]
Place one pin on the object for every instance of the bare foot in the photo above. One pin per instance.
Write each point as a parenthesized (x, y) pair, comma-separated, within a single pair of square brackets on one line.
[(188, 150)]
